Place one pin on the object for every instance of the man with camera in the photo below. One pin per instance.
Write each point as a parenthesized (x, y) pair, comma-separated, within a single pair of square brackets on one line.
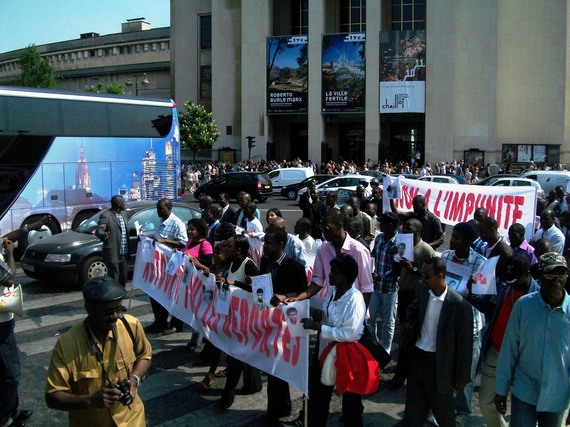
[(97, 366)]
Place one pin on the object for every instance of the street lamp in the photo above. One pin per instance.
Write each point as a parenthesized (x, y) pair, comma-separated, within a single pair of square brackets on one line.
[(144, 82)]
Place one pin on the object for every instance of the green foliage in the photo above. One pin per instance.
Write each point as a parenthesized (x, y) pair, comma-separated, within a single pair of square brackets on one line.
[(36, 71), (198, 130), (113, 87)]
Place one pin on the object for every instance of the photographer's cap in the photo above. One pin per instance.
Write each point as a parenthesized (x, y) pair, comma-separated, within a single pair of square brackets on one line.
[(103, 289), (551, 260)]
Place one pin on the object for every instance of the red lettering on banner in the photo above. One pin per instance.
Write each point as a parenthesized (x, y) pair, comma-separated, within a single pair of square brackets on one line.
[(148, 272), (227, 324), (243, 318), (266, 329), (286, 341), (456, 211), (469, 206), (186, 296), (277, 319), (255, 330), (296, 351), (234, 307), (435, 209), (517, 213), (426, 198), (215, 323)]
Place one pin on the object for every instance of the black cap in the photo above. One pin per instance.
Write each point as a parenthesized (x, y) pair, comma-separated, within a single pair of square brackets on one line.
[(391, 218), (103, 289)]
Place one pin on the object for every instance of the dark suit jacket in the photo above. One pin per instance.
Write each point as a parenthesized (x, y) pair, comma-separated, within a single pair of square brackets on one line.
[(108, 222), (289, 278), (454, 344), (229, 215)]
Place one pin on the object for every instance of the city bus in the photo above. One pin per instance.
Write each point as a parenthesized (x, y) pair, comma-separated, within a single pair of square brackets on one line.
[(67, 154)]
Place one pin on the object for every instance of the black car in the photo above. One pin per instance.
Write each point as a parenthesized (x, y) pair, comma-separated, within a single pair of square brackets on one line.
[(76, 256), (255, 183), (290, 191)]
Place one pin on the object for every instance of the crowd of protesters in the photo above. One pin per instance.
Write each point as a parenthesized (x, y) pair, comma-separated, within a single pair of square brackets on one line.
[(518, 338)]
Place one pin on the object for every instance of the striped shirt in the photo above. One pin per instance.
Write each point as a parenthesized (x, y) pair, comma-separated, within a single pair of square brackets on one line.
[(387, 279)]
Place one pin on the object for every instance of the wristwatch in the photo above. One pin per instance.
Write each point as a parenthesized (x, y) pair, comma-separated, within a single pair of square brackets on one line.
[(415, 269), (137, 378)]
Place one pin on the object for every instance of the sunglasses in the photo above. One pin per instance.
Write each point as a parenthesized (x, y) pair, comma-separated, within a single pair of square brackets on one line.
[(554, 276)]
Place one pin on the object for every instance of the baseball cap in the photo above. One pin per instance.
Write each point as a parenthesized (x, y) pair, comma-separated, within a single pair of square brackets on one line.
[(551, 260)]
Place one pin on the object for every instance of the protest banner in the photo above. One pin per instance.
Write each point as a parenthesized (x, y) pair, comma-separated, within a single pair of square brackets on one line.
[(260, 338), (454, 203)]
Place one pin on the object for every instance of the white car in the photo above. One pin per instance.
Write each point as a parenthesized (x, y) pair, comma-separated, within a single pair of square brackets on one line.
[(518, 182), (443, 179), (347, 182)]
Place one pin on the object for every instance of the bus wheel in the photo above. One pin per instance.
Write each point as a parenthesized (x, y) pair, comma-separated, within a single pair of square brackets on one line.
[(80, 218), (93, 267), (49, 229)]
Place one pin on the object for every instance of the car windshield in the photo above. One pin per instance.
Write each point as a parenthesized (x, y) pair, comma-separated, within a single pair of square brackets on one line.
[(90, 225)]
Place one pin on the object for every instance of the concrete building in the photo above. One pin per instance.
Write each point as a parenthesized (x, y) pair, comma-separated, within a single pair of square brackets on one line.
[(138, 58), (497, 85)]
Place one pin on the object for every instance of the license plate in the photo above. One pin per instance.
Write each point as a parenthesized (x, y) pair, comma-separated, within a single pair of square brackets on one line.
[(27, 267), (267, 186)]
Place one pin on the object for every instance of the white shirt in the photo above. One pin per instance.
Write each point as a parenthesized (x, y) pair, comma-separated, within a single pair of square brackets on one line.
[(427, 340), (554, 235), (308, 243), (344, 318)]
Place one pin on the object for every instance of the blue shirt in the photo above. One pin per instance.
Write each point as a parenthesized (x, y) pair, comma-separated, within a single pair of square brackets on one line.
[(535, 354)]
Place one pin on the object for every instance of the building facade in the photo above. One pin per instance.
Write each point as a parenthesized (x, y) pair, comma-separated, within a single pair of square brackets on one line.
[(138, 58), (487, 80)]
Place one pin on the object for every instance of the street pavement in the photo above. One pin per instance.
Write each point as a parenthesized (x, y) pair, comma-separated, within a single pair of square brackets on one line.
[(169, 394)]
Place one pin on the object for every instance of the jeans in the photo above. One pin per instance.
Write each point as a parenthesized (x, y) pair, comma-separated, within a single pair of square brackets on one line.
[(463, 397), (383, 305), (525, 415), (9, 371), (487, 390)]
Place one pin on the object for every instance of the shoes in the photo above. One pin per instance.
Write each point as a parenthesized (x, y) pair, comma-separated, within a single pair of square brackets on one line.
[(297, 422), (169, 331), (246, 392), (206, 383), (223, 404), (394, 384), (21, 418), (154, 329)]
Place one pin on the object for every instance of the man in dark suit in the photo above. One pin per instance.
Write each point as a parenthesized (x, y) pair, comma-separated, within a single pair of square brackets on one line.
[(227, 213), (289, 278), (441, 360), (112, 230)]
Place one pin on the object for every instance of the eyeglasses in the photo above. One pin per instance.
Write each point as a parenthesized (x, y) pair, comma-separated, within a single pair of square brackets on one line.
[(554, 276), (326, 227), (117, 310)]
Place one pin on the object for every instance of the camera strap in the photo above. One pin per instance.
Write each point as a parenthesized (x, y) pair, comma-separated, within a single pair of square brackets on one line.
[(94, 348)]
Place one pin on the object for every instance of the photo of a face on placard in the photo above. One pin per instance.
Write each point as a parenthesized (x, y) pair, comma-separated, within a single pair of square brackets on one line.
[(294, 312), (405, 245), (262, 291)]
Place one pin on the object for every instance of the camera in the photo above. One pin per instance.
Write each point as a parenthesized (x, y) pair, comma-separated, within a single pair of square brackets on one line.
[(125, 398)]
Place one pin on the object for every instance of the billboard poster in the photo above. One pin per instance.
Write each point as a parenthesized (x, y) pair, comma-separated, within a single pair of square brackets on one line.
[(402, 71), (287, 74), (343, 73)]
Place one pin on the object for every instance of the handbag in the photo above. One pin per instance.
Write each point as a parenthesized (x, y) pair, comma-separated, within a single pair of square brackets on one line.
[(373, 346), (408, 337)]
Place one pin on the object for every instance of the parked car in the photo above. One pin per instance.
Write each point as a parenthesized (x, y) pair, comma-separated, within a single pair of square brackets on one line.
[(255, 183), (288, 176), (290, 191), (517, 181), (443, 179), (76, 256), (490, 179), (347, 182), (549, 180)]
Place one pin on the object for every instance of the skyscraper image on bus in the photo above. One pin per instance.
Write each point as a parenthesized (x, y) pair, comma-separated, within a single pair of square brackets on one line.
[(67, 154)]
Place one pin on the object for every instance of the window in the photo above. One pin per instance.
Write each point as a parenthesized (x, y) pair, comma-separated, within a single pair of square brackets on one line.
[(162, 45), (145, 47), (300, 17), (206, 32), (352, 16), (408, 15), (206, 82), (138, 48), (154, 46)]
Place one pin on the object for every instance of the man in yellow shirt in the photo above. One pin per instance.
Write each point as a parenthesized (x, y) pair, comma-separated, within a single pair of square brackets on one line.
[(95, 357)]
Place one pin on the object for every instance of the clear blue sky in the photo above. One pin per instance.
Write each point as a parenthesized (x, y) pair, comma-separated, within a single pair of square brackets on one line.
[(25, 22)]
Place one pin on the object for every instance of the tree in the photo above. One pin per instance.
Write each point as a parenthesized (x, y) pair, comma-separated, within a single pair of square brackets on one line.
[(36, 71), (198, 130), (113, 87)]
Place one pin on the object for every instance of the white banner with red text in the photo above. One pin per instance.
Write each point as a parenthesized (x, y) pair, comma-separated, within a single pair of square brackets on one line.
[(453, 203), (229, 320)]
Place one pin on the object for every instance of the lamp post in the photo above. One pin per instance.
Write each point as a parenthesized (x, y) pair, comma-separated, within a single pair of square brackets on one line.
[(144, 82)]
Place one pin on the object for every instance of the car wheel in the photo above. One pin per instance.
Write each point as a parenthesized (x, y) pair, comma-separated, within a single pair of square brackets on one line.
[(81, 218), (93, 267), (291, 195), (50, 228), (261, 199)]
